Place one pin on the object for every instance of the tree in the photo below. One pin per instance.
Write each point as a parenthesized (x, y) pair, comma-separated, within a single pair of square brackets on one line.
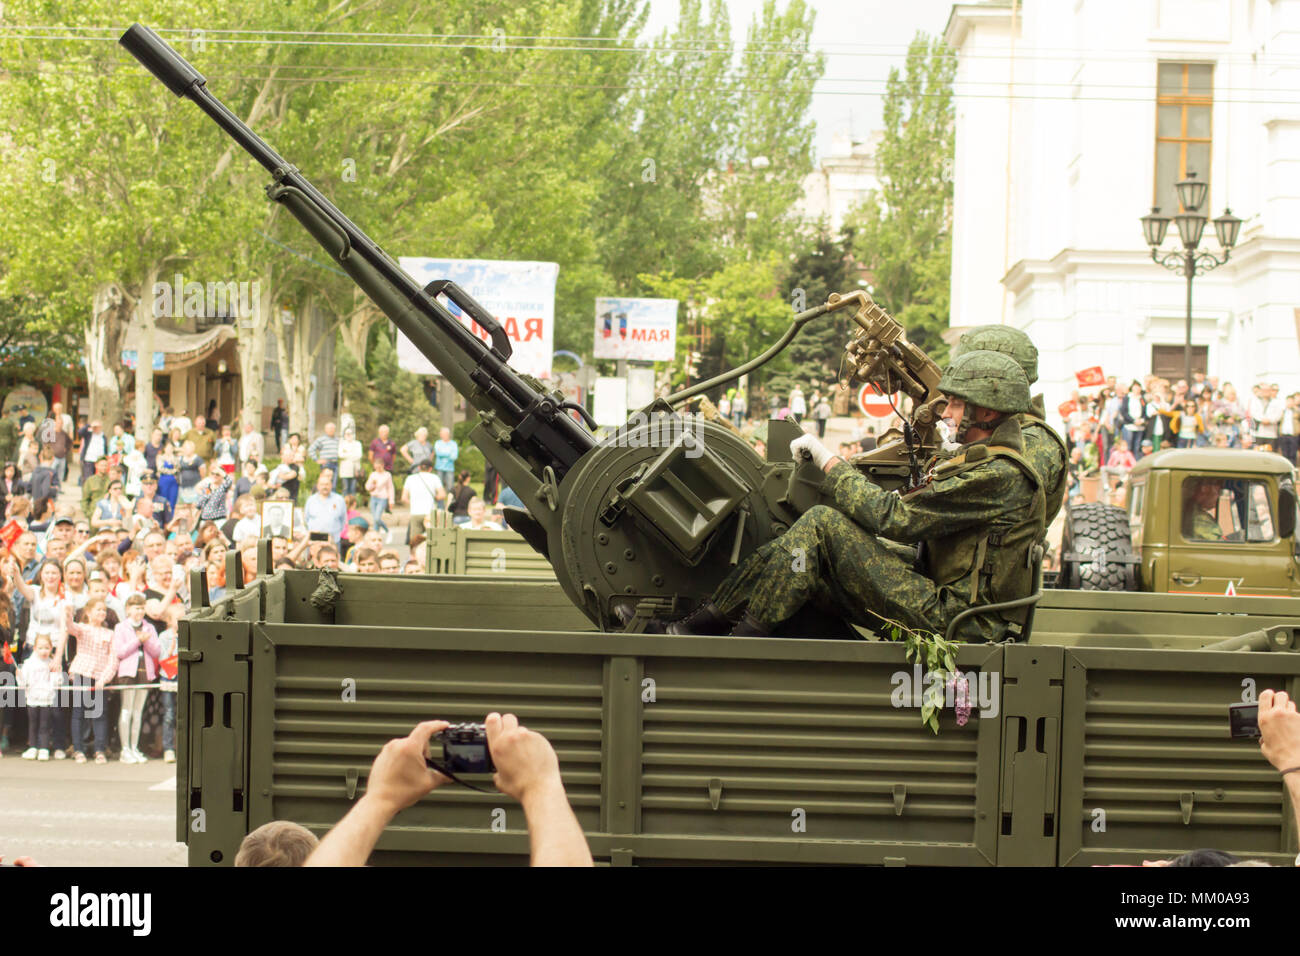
[(821, 268), (738, 308), (903, 233), (39, 340)]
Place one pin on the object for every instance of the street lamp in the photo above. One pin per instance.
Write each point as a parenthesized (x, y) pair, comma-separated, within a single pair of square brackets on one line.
[(1187, 261)]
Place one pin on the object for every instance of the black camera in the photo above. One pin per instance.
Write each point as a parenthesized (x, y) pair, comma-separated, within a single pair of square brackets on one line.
[(465, 749), (1243, 720)]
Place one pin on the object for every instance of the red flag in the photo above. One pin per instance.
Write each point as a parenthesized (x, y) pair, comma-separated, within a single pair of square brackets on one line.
[(1090, 376), (169, 666), (1066, 409), (8, 655), (10, 533)]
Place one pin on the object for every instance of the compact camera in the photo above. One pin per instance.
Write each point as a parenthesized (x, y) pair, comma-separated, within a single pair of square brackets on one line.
[(465, 749), (1243, 720)]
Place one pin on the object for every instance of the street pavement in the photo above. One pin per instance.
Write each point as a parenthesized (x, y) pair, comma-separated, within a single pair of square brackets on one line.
[(62, 813)]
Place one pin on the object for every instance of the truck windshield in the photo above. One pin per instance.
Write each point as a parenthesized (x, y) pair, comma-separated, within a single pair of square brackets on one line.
[(1227, 509)]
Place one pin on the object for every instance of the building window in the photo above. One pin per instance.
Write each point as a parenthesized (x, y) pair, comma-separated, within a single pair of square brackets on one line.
[(1184, 98)]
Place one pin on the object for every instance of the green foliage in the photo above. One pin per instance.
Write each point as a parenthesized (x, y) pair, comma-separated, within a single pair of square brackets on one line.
[(738, 306), (936, 656), (8, 439), (822, 267), (903, 233), (38, 340)]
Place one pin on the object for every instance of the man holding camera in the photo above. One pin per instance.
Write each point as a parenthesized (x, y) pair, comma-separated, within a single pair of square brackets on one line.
[(527, 769), (977, 516)]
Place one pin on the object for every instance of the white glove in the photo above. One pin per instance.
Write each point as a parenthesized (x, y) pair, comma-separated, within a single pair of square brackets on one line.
[(808, 447)]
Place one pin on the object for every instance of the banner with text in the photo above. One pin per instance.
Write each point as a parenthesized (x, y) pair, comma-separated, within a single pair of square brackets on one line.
[(641, 330), (520, 294)]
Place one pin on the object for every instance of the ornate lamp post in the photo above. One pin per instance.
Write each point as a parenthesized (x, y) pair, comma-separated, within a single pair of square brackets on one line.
[(1187, 261)]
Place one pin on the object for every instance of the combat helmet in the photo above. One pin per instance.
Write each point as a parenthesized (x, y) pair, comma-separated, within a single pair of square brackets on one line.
[(988, 379), (1004, 339)]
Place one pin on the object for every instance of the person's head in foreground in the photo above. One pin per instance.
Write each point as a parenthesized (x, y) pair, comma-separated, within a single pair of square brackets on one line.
[(278, 843)]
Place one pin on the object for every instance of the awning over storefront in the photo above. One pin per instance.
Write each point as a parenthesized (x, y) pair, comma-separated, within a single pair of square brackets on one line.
[(177, 350)]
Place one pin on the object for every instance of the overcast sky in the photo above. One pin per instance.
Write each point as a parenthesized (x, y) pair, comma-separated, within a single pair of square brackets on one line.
[(862, 39)]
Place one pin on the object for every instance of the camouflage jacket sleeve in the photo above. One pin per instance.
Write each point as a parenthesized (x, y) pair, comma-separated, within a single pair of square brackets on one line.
[(976, 497)]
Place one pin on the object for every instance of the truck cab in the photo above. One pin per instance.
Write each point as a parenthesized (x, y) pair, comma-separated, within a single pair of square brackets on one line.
[(1214, 521)]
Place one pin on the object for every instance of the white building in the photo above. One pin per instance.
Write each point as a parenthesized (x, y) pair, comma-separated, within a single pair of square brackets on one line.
[(1071, 116), (843, 179)]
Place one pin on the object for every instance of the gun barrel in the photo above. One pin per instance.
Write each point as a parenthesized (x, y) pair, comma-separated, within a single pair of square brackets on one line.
[(543, 431)]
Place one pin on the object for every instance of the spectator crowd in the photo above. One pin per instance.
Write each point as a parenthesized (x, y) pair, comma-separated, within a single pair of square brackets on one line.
[(99, 531), (1109, 430)]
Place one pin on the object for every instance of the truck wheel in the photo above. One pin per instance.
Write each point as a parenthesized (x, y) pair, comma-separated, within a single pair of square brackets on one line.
[(1095, 533)]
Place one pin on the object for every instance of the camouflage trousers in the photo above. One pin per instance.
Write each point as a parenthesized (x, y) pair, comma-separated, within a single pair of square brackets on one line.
[(827, 560)]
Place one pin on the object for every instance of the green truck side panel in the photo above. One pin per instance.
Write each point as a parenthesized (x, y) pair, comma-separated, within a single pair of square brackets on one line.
[(1149, 769), (709, 749)]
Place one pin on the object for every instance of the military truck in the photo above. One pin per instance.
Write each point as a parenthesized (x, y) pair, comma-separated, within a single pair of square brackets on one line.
[(1099, 734), (1243, 544), (1101, 739)]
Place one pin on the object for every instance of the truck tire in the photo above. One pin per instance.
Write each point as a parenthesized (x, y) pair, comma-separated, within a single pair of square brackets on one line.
[(1091, 531)]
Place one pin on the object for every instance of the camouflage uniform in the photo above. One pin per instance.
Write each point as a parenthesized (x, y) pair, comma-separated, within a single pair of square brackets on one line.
[(1205, 527), (1044, 447), (978, 516)]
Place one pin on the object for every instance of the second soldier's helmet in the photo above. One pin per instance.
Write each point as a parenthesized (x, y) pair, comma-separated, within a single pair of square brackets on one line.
[(988, 379), (1004, 339)]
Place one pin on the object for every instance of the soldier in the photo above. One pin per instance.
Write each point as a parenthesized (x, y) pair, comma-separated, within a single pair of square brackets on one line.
[(978, 514), (1044, 447), (1201, 509)]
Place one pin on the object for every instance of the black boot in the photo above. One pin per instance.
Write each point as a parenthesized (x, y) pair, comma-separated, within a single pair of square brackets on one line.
[(750, 626), (705, 619)]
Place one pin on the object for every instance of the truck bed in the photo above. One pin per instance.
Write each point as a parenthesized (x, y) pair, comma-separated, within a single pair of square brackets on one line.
[(741, 750)]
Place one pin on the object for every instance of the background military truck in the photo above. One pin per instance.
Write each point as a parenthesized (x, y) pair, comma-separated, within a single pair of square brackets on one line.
[(1152, 545)]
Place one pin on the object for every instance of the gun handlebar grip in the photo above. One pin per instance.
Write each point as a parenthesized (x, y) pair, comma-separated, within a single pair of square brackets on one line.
[(172, 69)]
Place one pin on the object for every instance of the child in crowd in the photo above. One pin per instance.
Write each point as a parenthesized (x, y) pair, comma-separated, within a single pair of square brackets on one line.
[(168, 644), (39, 678), (134, 640), (94, 666)]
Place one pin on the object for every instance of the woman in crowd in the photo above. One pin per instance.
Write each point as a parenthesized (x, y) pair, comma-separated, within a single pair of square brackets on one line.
[(349, 462), (11, 485), (380, 488), (135, 464), (168, 486), (111, 511), (9, 640), (190, 473), (134, 570), (28, 449), (75, 590), (1133, 416), (460, 497)]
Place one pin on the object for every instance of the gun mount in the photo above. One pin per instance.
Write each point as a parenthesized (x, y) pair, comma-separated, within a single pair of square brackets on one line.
[(649, 520)]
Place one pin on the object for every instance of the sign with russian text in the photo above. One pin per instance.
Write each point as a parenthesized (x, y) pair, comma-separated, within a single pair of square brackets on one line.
[(640, 330), (520, 294)]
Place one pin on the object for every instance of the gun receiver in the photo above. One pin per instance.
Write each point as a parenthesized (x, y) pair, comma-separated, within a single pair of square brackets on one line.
[(533, 422), (881, 355)]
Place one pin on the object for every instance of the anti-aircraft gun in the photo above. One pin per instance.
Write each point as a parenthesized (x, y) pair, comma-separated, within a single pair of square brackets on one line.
[(647, 521)]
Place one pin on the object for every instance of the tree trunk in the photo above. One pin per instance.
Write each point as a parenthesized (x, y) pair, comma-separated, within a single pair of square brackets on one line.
[(146, 321), (104, 334), (251, 348), (355, 330), (296, 357)]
